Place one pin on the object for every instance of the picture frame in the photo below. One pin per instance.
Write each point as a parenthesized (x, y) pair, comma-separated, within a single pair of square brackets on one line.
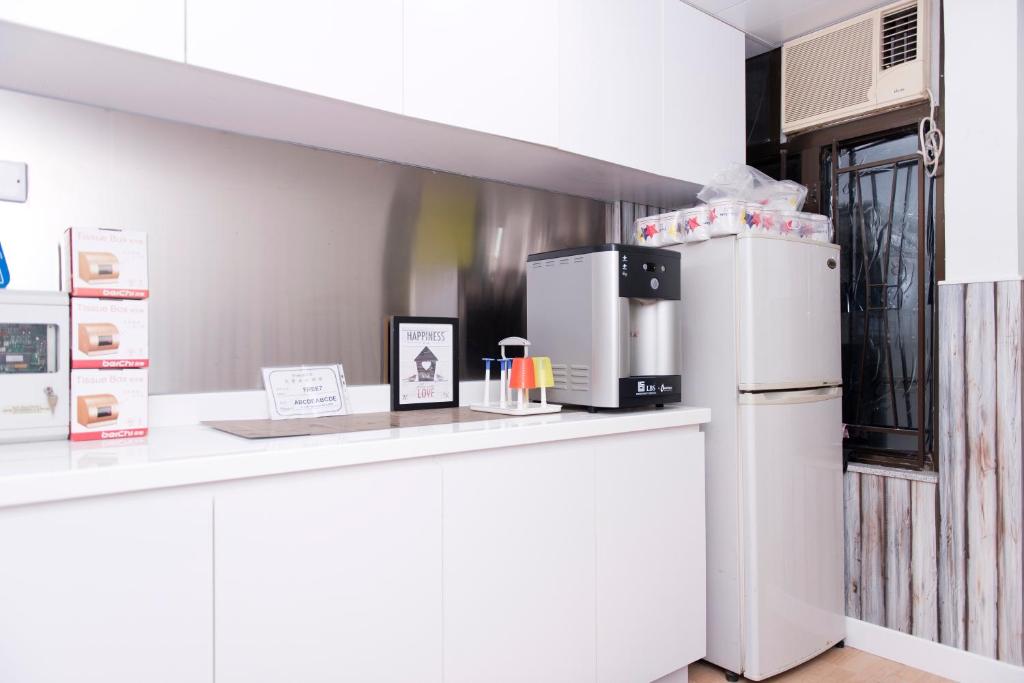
[(423, 362)]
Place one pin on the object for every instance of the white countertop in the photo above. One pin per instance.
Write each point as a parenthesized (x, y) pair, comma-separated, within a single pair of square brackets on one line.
[(196, 454)]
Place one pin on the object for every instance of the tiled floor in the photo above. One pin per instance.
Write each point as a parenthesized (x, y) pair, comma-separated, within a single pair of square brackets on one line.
[(838, 665)]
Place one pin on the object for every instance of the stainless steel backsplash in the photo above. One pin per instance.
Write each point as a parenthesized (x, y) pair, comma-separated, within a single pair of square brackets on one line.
[(266, 253)]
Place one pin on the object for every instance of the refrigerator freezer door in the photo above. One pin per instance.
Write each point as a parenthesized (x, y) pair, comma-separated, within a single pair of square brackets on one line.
[(788, 310), (791, 452)]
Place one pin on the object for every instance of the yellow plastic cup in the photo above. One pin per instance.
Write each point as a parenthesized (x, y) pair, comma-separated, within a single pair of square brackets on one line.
[(542, 375)]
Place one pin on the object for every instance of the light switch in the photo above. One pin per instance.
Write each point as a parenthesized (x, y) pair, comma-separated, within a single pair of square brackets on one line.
[(13, 181)]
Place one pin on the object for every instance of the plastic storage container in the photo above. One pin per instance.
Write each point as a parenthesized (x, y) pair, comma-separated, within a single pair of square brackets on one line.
[(694, 223), (672, 231), (647, 231), (753, 215), (816, 227), (726, 217)]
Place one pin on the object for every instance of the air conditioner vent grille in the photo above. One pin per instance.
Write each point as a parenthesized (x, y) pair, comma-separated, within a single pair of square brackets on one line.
[(899, 37), (830, 72)]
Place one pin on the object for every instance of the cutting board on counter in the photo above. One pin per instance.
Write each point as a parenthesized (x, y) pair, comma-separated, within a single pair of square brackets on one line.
[(342, 424)]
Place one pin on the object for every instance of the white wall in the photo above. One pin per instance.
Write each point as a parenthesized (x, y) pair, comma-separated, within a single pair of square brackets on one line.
[(984, 130)]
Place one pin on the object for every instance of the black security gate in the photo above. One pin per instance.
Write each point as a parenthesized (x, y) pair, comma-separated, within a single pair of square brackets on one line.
[(882, 204)]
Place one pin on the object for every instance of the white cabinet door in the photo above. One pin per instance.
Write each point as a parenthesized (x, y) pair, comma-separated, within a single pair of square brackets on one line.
[(488, 66), (704, 105), (650, 554), (331, 576), (113, 590), (344, 49), (155, 27), (610, 84), (519, 565)]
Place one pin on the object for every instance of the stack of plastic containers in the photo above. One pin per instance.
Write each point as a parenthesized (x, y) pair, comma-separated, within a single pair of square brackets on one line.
[(740, 199)]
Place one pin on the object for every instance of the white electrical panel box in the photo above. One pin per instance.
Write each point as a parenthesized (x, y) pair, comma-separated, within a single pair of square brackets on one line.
[(13, 181), (34, 360)]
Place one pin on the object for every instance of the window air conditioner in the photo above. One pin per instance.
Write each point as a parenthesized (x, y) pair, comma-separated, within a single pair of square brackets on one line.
[(873, 62)]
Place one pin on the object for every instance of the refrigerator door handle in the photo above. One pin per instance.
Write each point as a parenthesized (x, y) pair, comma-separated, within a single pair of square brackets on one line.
[(768, 398)]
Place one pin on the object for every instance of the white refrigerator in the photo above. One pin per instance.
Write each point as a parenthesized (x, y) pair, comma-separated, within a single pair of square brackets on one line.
[(761, 347)]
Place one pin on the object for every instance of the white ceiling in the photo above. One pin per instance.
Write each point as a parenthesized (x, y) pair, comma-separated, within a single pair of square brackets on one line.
[(770, 23)]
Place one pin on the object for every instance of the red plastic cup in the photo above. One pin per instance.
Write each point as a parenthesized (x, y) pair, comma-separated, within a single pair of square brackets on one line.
[(522, 374)]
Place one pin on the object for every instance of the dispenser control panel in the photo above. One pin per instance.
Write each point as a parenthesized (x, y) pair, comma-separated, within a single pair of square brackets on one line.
[(648, 273)]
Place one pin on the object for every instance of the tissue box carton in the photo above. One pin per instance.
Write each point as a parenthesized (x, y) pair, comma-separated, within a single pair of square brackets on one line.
[(109, 404), (105, 263), (109, 333)]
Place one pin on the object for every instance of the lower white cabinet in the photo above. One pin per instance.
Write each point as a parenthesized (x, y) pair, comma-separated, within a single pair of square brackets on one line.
[(331, 576), (580, 560), (649, 508), (519, 564), (111, 590), (576, 560)]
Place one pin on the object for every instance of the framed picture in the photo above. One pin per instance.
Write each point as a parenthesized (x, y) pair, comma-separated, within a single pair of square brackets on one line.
[(423, 362)]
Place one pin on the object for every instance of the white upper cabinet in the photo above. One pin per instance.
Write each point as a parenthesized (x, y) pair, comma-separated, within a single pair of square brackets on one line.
[(610, 83), (649, 85), (154, 27), (344, 49), (487, 66), (704, 94)]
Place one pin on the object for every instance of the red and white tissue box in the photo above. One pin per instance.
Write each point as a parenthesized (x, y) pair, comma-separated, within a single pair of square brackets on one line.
[(109, 404), (109, 334), (105, 263)]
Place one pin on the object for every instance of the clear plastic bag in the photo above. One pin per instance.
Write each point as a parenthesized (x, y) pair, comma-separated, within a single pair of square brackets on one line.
[(746, 184)]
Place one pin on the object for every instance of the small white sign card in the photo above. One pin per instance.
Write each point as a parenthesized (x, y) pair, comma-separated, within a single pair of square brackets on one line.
[(306, 391)]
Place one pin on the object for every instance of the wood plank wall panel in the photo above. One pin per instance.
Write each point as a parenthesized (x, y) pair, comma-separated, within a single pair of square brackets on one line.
[(1010, 604), (872, 556), (964, 584), (982, 507), (851, 502), (924, 564), (892, 580), (897, 554), (952, 459)]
